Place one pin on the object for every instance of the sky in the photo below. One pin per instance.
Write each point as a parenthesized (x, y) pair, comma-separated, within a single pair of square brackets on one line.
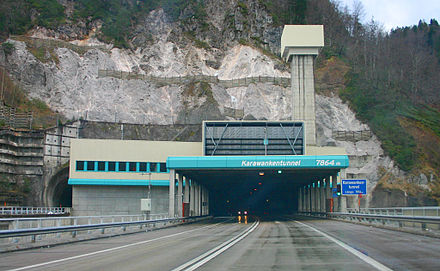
[(397, 13)]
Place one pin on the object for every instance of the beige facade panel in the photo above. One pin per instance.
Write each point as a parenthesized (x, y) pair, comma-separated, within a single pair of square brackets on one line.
[(127, 151), (301, 37), (96, 175), (314, 150)]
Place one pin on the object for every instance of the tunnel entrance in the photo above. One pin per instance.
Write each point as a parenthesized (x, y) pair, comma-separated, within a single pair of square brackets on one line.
[(262, 192), (59, 192), (257, 166), (261, 185)]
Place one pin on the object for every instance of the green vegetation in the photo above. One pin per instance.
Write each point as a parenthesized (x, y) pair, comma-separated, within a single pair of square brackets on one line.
[(13, 96), (8, 48), (286, 11), (243, 8), (118, 16), (50, 12), (16, 15), (198, 43), (382, 118), (425, 115)]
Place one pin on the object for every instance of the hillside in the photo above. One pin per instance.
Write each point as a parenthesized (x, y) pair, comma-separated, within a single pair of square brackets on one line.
[(65, 53)]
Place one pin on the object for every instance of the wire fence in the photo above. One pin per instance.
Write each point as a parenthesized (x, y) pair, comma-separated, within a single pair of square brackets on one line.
[(354, 136), (9, 117), (240, 82)]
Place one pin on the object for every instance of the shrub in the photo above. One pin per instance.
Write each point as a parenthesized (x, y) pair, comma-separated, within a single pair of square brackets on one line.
[(8, 48)]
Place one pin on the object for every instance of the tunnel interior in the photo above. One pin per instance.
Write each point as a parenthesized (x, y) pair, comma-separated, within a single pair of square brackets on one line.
[(62, 195), (59, 192), (262, 192)]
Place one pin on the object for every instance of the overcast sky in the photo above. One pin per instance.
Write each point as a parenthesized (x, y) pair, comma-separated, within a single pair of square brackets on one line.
[(395, 13)]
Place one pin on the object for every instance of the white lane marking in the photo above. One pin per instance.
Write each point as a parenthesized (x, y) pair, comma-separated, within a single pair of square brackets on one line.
[(110, 249), (357, 253), (209, 255)]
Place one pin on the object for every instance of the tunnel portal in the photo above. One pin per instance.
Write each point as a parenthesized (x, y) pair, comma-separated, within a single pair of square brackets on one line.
[(262, 192), (261, 185)]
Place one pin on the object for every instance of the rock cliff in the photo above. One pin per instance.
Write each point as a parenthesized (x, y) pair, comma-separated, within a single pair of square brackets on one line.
[(65, 75)]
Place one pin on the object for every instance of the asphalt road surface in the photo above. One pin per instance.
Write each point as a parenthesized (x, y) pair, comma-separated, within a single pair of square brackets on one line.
[(277, 244)]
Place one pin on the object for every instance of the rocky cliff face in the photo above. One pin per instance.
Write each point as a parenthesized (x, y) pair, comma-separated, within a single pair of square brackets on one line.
[(65, 76)]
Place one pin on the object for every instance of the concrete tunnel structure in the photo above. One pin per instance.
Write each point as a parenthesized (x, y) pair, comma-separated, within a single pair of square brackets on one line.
[(264, 167), (259, 166)]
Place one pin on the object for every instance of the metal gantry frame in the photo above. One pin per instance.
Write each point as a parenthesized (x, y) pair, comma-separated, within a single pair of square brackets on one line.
[(253, 138)]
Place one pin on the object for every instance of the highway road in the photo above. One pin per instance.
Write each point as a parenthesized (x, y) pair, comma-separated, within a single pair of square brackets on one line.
[(221, 244)]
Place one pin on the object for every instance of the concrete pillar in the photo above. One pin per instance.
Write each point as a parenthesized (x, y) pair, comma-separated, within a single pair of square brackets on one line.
[(308, 195), (203, 201), (328, 193), (318, 195), (323, 195), (186, 195), (198, 200), (303, 192), (309, 201), (192, 199), (334, 181), (172, 193), (179, 195), (202, 198), (303, 94), (317, 199), (207, 202), (299, 199)]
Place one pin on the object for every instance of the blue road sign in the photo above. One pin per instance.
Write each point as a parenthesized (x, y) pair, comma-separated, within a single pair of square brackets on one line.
[(354, 187)]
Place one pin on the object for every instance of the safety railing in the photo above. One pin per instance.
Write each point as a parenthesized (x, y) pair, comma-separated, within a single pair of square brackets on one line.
[(25, 232), (409, 211), (239, 82), (397, 220), (23, 211)]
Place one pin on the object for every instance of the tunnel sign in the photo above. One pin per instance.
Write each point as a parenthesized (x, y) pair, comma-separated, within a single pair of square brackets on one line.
[(354, 187), (251, 162)]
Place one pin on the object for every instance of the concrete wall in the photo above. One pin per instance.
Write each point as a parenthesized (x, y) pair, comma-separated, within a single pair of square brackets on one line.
[(129, 151), (109, 199), (21, 166), (117, 200), (302, 37), (303, 95), (57, 144)]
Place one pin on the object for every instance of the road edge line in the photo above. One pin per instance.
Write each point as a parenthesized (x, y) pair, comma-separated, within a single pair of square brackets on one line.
[(353, 251), (108, 250)]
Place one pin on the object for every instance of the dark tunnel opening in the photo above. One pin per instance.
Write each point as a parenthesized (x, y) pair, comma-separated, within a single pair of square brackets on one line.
[(261, 197), (265, 192), (63, 195), (59, 192)]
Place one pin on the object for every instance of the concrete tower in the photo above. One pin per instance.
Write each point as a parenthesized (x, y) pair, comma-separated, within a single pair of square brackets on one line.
[(300, 44)]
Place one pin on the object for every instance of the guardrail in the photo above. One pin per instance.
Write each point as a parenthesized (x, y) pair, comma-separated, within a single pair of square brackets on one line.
[(399, 221), (412, 211), (20, 210), (29, 233)]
